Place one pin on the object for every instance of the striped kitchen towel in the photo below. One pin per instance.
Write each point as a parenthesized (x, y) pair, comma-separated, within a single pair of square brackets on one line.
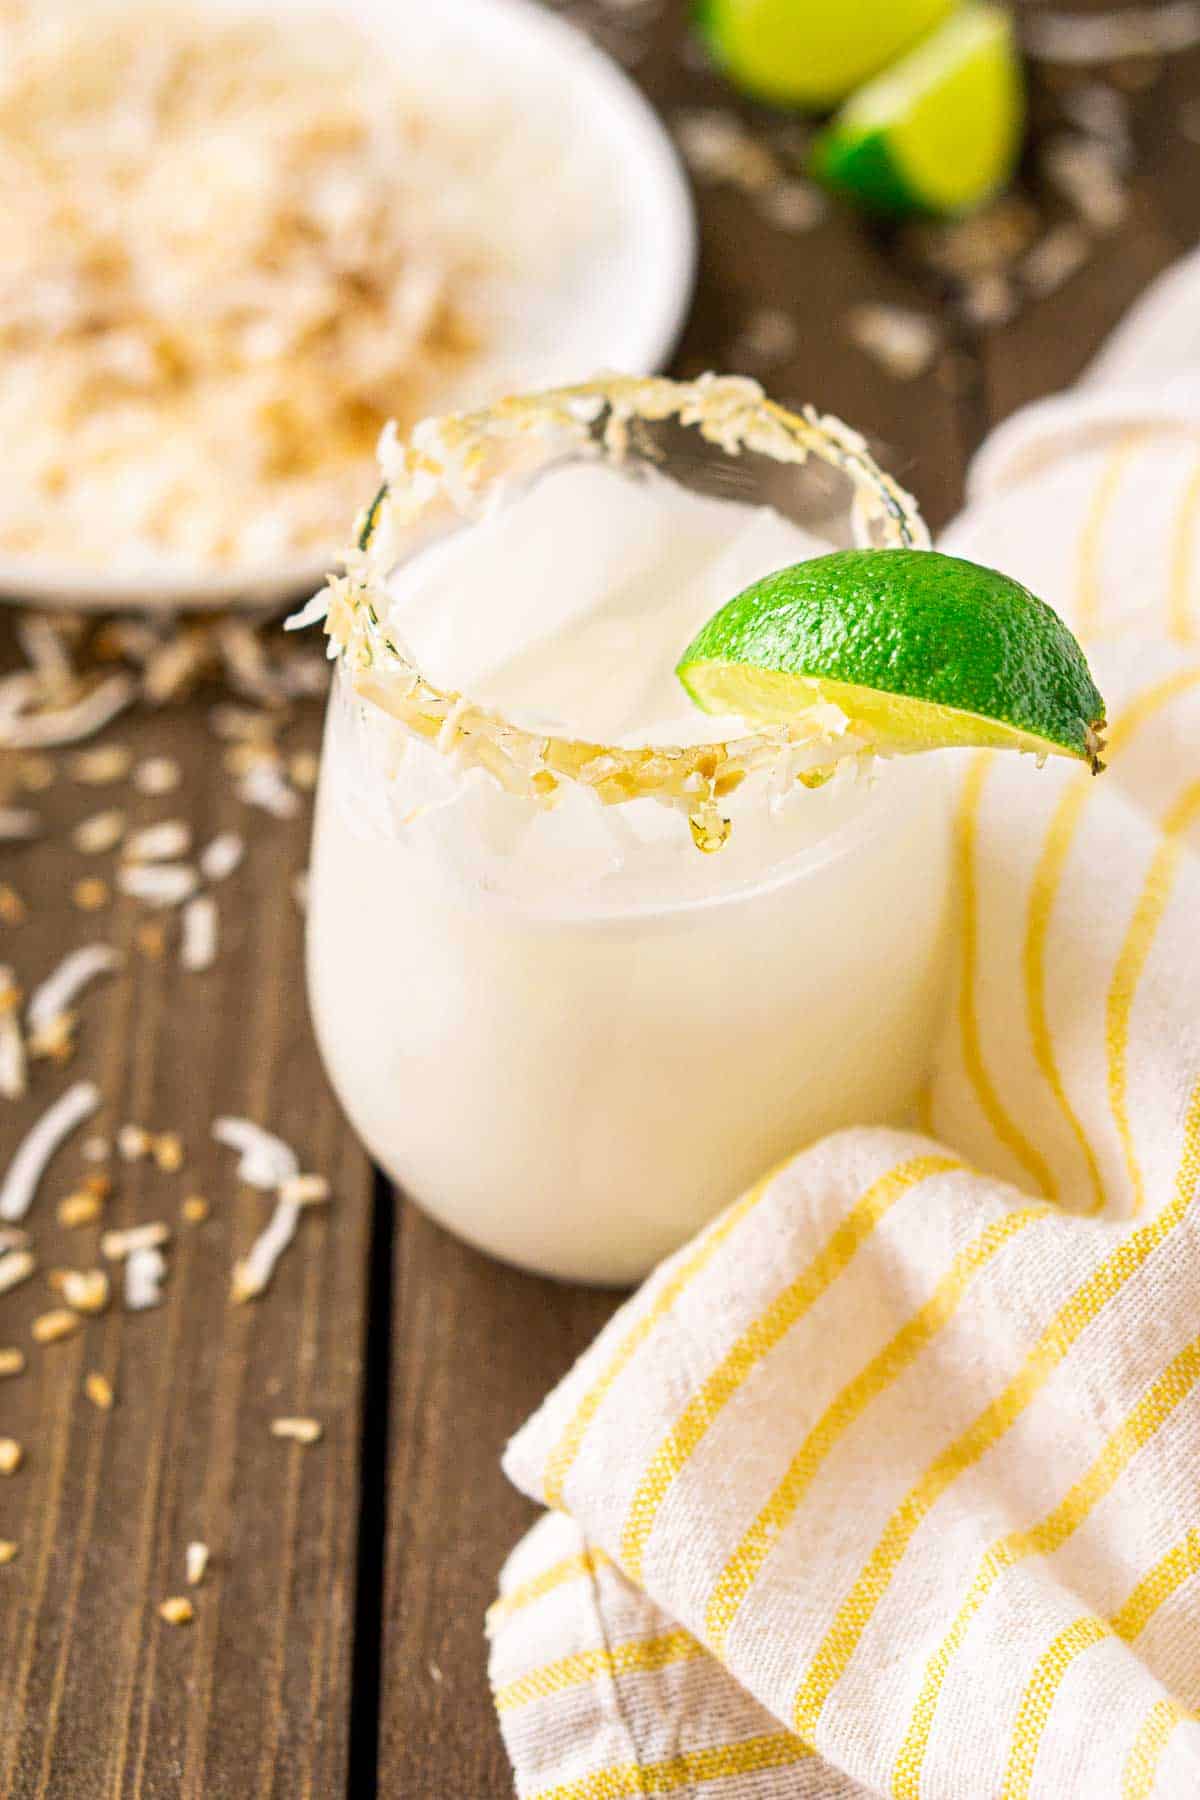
[(889, 1483)]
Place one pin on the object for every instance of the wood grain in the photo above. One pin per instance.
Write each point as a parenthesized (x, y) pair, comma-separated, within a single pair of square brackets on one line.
[(98, 1697)]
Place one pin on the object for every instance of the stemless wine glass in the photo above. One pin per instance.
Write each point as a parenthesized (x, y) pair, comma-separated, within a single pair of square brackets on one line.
[(576, 996)]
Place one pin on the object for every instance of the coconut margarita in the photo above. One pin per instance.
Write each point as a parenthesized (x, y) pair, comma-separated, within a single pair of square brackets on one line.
[(585, 961)]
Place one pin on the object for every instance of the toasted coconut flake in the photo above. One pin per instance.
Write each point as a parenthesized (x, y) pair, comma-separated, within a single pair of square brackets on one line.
[(196, 1563), (158, 884), (15, 1266), (252, 1274), (151, 940), (70, 724), (195, 1209), (96, 1149), (222, 856), (13, 910), (12, 1042), (133, 1143), (303, 767), (300, 1431), (102, 831), (102, 766), (91, 894), (12, 1362), (264, 785), (157, 775), (84, 1290), (305, 1190), (79, 1209), (178, 1610), (265, 1160), (164, 842), (903, 342), (8, 1551), (168, 1152), (99, 1390), (55, 997), (115, 1246), (201, 928), (145, 1268), (18, 824), (27, 1167), (49, 1327), (11, 1456)]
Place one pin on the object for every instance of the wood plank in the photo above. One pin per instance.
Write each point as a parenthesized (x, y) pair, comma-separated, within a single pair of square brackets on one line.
[(476, 1346), (98, 1697)]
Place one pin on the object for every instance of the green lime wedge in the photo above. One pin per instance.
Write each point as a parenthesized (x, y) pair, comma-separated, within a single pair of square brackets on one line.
[(940, 131), (812, 53), (919, 650)]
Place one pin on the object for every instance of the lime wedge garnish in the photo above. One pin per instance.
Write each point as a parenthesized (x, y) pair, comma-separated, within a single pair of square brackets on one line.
[(918, 650), (812, 53), (940, 131)]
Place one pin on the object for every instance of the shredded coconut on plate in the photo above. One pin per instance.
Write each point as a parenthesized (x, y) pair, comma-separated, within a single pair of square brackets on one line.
[(234, 245)]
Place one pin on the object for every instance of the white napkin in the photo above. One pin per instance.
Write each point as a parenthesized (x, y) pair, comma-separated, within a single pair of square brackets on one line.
[(889, 1483)]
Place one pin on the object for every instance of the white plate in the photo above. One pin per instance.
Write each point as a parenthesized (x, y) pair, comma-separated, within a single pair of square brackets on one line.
[(619, 306)]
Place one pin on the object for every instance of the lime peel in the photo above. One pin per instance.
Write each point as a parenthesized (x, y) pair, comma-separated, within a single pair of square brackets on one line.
[(919, 650)]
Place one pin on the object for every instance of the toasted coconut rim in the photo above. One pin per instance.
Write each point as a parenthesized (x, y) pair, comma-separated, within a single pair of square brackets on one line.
[(449, 463)]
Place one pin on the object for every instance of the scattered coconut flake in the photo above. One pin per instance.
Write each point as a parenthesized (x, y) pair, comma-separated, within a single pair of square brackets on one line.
[(8, 1551), (94, 1149), (793, 206), (133, 1142), (102, 831), (198, 950), (115, 1246), (1084, 171), (717, 147), (1052, 262), (195, 1209), (305, 1190), (99, 1390), (49, 1327), (244, 724), (901, 341), (988, 300), (91, 894), (70, 724), (266, 1161), (246, 663), (300, 1431), (18, 823), (79, 1209), (15, 1266), (1100, 111), (157, 775), (12, 1042), (151, 940), (252, 1274), (168, 1152), (1075, 37), (303, 769), (102, 766), (768, 336), (264, 785), (13, 910), (222, 856), (53, 999), (12, 1362), (178, 1610), (158, 884), (164, 842), (196, 1563), (27, 1167), (11, 1456), (144, 1271), (13, 1237), (84, 1290)]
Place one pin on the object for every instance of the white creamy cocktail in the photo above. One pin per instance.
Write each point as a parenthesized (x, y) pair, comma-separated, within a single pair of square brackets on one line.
[(584, 961)]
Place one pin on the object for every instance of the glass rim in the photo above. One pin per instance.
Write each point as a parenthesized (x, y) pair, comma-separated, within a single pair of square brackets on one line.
[(445, 460)]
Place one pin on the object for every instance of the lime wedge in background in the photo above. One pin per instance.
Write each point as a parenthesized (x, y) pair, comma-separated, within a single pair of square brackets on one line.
[(919, 650), (941, 130), (812, 53)]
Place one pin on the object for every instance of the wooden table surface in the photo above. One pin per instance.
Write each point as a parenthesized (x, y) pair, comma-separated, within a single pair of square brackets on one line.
[(337, 1645)]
